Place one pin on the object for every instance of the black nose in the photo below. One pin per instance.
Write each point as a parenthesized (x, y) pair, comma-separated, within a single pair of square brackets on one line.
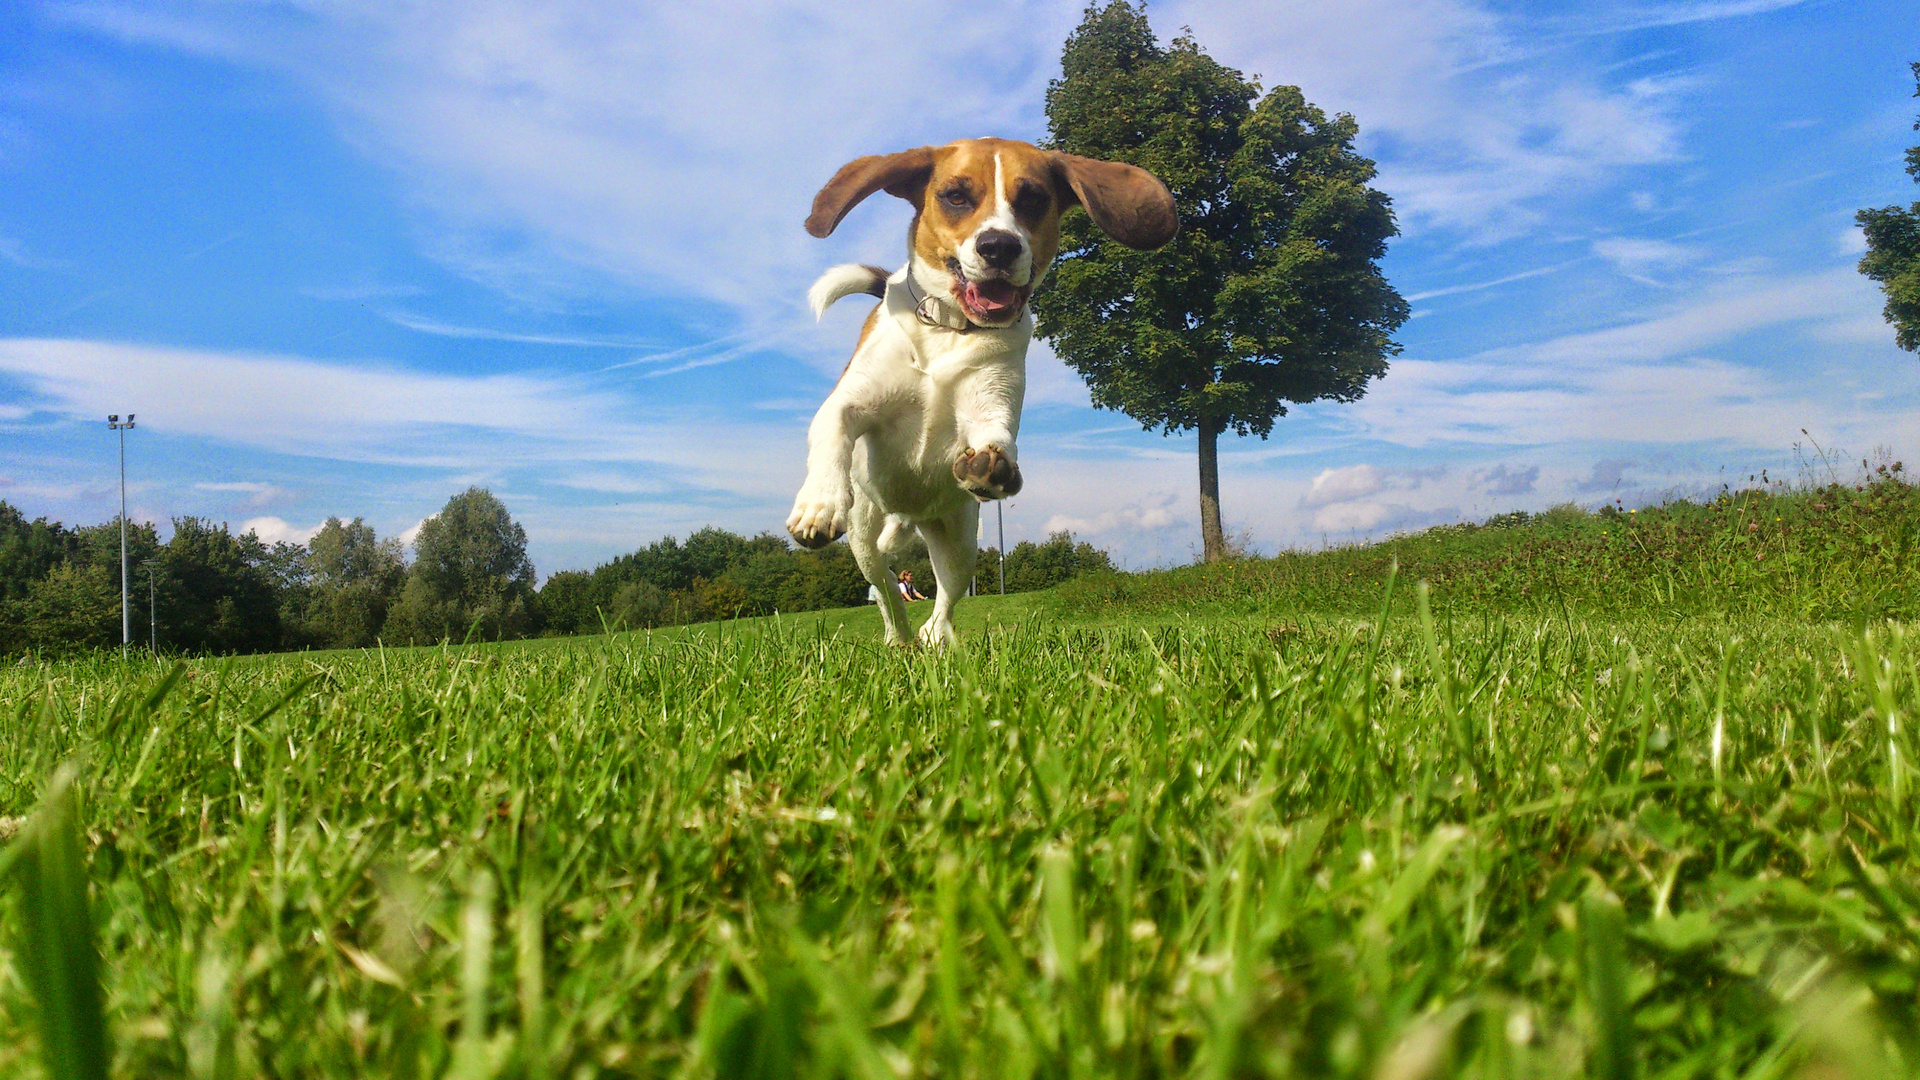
[(998, 248)]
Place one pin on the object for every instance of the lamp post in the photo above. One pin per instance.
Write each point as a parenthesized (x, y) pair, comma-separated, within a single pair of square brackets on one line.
[(153, 619), (1000, 516), (126, 617)]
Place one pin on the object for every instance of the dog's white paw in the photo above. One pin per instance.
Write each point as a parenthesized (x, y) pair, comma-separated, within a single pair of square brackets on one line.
[(937, 632), (819, 516)]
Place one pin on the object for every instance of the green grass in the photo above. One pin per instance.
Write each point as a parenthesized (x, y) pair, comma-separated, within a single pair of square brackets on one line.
[(1204, 822)]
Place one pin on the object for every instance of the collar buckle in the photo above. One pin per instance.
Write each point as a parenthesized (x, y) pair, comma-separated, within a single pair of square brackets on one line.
[(930, 309)]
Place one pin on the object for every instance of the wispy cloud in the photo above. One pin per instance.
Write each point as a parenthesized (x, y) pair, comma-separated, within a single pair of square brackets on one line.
[(427, 325), (1644, 380), (15, 252), (258, 494), (1477, 126), (215, 245), (360, 291), (1454, 290), (383, 415), (635, 139), (1649, 17), (81, 304), (1638, 258), (708, 353)]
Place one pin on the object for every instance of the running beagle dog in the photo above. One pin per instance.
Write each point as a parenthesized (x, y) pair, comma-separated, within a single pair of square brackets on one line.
[(920, 429)]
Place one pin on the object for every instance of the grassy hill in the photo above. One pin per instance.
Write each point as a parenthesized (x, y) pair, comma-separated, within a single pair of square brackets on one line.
[(1619, 795)]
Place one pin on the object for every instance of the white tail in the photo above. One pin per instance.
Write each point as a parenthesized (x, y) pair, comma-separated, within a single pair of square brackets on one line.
[(845, 280)]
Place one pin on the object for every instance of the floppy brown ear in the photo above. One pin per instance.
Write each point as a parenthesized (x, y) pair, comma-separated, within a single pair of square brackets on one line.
[(903, 174), (1129, 204)]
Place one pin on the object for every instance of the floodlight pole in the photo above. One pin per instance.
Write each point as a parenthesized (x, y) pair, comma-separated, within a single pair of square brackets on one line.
[(153, 619), (1000, 516), (126, 616)]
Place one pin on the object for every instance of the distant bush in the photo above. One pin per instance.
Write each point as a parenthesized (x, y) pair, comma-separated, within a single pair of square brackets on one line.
[(713, 574), (716, 574), (1032, 567)]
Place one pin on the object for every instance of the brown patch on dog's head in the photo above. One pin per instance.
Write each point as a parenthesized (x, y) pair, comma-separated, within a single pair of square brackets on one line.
[(986, 224)]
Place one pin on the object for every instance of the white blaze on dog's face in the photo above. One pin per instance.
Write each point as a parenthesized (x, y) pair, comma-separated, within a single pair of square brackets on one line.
[(986, 223), (989, 227)]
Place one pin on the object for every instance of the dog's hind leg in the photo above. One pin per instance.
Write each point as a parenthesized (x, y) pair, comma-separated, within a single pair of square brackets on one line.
[(864, 526), (951, 546)]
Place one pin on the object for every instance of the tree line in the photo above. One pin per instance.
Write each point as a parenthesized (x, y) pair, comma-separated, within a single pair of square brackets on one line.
[(208, 590)]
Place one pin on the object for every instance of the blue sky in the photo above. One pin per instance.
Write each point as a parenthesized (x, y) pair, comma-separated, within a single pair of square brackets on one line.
[(348, 257)]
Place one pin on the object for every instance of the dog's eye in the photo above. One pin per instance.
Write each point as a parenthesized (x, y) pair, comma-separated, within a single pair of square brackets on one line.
[(956, 198), (1031, 202)]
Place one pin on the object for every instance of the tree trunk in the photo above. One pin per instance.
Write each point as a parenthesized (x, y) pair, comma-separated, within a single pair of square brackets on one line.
[(1213, 542)]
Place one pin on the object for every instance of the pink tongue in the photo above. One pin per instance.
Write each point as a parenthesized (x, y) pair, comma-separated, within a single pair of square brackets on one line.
[(992, 295)]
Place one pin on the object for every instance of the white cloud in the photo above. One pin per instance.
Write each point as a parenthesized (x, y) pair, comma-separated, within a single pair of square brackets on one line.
[(1504, 480), (1349, 499), (1343, 485), (273, 530), (1351, 517), (1606, 476), (278, 401), (412, 532), (1132, 517)]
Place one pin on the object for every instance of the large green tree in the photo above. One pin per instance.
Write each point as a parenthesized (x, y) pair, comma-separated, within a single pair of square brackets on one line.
[(1270, 295), (470, 577), (1893, 253)]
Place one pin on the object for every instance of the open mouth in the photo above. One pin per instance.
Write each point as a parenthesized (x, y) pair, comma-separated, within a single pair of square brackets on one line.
[(988, 301)]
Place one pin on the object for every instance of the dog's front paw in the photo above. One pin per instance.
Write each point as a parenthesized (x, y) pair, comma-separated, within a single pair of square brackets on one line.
[(937, 633), (819, 518), (987, 474)]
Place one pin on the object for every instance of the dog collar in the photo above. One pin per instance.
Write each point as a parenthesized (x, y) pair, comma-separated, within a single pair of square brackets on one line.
[(933, 311)]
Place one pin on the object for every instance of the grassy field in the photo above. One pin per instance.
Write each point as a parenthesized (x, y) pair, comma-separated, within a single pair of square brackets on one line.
[(1622, 796)]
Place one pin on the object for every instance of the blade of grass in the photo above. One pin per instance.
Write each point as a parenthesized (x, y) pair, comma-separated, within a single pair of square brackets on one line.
[(59, 962)]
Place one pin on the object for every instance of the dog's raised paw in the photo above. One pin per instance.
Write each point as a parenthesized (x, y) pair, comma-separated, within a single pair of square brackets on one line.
[(987, 473), (816, 524)]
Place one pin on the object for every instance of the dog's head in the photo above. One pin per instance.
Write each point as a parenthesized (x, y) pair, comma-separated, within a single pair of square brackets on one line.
[(986, 221)]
